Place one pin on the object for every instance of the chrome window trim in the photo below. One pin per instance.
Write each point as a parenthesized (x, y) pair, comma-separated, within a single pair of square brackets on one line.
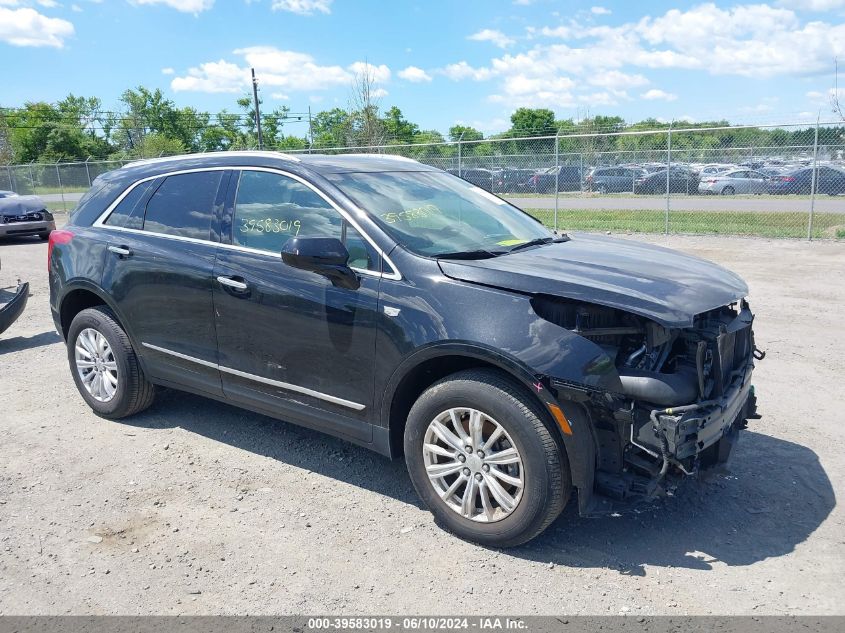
[(267, 381), (100, 221)]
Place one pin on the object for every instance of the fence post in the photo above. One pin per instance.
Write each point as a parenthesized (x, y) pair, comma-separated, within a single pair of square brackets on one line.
[(9, 172), (31, 177), (460, 138), (668, 169), (59, 177), (557, 175), (88, 171), (813, 180)]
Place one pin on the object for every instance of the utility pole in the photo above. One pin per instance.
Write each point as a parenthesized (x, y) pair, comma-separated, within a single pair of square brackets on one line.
[(257, 111), (310, 132)]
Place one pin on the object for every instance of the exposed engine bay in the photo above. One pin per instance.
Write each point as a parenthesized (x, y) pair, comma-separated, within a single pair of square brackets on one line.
[(684, 392)]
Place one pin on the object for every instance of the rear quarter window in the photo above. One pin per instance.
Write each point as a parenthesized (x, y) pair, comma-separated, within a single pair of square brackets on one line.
[(129, 212), (183, 205)]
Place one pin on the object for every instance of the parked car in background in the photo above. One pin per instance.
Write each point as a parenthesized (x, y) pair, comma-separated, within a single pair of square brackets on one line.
[(613, 179), (562, 178), (25, 215), (829, 180), (736, 181), (7, 194), (511, 180), (681, 180), (717, 168), (479, 177)]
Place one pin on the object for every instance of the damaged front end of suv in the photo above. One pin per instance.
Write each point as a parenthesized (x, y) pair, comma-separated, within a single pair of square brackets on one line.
[(682, 395)]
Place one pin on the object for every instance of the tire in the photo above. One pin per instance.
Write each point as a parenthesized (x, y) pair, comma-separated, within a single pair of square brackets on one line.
[(602, 189), (728, 191), (133, 392), (543, 467), (44, 236)]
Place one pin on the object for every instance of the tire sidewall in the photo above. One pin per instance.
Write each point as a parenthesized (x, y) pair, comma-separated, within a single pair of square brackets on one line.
[(99, 321), (486, 398)]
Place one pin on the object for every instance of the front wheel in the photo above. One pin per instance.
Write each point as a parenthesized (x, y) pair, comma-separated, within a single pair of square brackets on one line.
[(104, 365), (483, 461)]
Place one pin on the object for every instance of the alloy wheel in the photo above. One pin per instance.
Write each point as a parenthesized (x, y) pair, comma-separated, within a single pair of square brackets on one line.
[(96, 364), (473, 464)]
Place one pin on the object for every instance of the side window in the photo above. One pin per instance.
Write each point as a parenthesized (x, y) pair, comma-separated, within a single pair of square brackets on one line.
[(271, 208), (183, 205), (129, 212)]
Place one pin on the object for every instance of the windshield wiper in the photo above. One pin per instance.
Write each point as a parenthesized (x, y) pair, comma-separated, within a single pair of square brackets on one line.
[(539, 242), (475, 254)]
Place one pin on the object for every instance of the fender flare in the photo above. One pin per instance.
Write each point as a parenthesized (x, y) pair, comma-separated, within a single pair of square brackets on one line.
[(84, 284), (579, 443)]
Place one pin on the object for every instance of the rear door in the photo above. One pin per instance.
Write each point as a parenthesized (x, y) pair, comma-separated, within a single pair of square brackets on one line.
[(288, 339), (161, 251)]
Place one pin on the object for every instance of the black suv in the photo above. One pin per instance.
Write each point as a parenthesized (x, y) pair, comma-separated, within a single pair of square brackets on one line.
[(406, 310)]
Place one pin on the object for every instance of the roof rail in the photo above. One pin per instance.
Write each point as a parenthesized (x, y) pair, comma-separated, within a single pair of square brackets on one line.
[(393, 156), (162, 159)]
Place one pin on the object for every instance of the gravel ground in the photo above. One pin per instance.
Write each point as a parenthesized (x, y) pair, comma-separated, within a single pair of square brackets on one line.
[(197, 507)]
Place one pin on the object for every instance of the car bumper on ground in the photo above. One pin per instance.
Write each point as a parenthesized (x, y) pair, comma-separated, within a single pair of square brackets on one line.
[(16, 229), (12, 309)]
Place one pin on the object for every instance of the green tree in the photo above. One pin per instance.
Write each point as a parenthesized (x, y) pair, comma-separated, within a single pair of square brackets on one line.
[(465, 133), (532, 122), (397, 128)]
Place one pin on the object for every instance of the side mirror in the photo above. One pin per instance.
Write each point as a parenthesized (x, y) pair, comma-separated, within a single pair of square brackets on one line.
[(326, 256)]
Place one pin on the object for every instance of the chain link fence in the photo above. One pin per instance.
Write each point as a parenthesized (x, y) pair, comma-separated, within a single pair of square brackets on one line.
[(772, 181)]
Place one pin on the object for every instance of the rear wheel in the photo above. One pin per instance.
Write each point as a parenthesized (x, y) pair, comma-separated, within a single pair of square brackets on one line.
[(104, 365), (602, 189), (728, 191), (483, 461), (44, 236)]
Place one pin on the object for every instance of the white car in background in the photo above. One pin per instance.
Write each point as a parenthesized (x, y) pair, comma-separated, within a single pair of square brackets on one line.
[(732, 182)]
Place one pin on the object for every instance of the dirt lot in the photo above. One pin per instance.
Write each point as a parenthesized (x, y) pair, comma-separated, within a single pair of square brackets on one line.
[(197, 507)]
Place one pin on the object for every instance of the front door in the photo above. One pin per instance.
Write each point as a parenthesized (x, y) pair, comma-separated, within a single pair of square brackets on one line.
[(288, 339)]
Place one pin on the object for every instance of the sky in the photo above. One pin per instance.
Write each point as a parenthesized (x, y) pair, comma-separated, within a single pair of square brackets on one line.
[(471, 62)]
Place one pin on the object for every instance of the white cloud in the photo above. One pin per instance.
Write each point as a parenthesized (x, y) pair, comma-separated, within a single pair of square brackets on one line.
[(280, 96), (379, 74), (27, 27), (493, 36), (184, 6), (758, 41), (414, 74), (658, 95), (303, 7), (600, 11), (617, 79), (219, 76), (563, 32), (168, 71), (379, 93), (813, 5), (462, 70), (287, 70)]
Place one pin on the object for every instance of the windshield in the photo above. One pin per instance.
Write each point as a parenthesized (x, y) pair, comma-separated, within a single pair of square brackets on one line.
[(437, 214)]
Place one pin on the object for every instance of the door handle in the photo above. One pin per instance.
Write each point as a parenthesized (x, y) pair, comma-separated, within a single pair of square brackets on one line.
[(234, 284), (123, 251)]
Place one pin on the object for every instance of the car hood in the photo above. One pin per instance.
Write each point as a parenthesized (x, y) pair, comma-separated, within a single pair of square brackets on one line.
[(657, 283), (21, 205)]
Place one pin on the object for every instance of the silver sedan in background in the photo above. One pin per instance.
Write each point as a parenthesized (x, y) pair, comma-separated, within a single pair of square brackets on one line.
[(731, 182), (21, 216)]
